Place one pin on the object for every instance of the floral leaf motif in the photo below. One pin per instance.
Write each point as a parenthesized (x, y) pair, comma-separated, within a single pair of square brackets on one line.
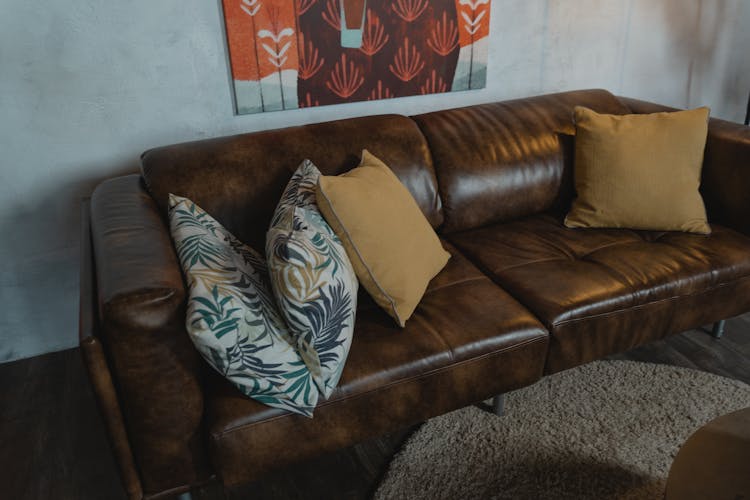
[(444, 36), (277, 62), (328, 317), (473, 25), (303, 383), (374, 36), (380, 92), (345, 78), (304, 5), (242, 358), (406, 63), (250, 7), (269, 49), (433, 85), (284, 48), (218, 361), (194, 217), (264, 324), (195, 249), (310, 61), (309, 102), (219, 319), (276, 37), (409, 10), (331, 14), (299, 193)]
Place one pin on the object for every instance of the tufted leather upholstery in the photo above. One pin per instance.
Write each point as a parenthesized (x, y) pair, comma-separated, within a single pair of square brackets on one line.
[(494, 180), (604, 291)]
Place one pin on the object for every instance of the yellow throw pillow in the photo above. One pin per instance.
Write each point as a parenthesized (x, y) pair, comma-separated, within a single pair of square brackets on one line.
[(639, 171), (393, 249)]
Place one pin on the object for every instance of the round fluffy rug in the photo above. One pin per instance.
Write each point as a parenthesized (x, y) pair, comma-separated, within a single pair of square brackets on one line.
[(606, 430)]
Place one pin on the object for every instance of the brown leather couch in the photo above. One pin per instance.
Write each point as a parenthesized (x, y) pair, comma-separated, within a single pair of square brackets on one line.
[(522, 296)]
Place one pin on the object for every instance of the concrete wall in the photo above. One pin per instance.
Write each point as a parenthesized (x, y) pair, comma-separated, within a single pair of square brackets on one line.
[(86, 86)]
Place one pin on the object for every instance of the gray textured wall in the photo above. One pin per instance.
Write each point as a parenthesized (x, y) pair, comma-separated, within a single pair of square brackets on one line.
[(86, 86)]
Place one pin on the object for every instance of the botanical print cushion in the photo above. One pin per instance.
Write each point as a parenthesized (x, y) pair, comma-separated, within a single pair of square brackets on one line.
[(312, 278), (231, 315)]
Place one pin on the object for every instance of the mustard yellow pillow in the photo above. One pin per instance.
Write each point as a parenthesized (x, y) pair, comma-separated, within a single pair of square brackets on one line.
[(393, 249), (639, 171)]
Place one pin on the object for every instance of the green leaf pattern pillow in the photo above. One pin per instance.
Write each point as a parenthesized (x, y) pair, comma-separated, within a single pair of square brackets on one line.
[(312, 278), (231, 315)]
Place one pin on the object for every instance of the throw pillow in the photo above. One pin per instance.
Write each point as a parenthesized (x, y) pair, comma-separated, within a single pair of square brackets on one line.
[(312, 279), (639, 171), (231, 314), (393, 248)]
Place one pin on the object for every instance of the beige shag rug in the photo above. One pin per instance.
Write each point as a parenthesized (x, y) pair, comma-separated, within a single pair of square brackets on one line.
[(606, 430)]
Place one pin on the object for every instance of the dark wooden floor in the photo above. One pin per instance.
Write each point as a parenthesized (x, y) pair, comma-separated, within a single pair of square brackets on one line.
[(52, 441)]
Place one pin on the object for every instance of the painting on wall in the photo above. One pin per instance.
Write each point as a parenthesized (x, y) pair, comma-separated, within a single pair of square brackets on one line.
[(289, 54)]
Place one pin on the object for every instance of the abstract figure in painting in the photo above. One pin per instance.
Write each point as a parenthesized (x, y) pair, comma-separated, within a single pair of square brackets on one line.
[(352, 22), (288, 54)]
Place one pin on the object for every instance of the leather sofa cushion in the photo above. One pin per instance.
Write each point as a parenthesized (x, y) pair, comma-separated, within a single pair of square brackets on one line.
[(500, 161), (601, 291), (467, 340), (239, 179)]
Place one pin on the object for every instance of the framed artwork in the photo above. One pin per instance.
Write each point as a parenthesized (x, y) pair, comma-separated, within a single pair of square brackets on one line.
[(288, 54)]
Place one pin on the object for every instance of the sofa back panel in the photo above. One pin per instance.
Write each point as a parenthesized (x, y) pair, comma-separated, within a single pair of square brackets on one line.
[(496, 162), (239, 179)]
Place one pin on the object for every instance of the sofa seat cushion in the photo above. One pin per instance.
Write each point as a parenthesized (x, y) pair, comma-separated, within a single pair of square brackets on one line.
[(601, 291), (467, 341)]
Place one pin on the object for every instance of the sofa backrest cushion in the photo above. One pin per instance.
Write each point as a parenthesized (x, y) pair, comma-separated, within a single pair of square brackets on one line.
[(239, 179), (500, 161)]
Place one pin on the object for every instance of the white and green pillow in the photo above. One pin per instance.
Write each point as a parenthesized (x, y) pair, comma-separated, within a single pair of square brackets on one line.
[(231, 315), (313, 280)]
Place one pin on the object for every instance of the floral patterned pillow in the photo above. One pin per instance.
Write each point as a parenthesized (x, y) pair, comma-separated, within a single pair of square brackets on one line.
[(313, 280), (231, 315)]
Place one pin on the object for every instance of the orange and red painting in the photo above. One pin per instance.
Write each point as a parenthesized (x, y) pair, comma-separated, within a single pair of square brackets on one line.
[(288, 54)]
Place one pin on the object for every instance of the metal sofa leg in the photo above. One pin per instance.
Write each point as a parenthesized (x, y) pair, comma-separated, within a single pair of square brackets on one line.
[(718, 330), (498, 405)]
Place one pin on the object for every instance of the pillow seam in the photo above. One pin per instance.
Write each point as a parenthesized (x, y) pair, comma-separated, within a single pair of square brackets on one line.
[(359, 256)]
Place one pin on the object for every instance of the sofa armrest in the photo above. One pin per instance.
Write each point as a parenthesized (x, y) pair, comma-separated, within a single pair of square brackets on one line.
[(95, 361), (726, 175), (725, 181), (141, 308)]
